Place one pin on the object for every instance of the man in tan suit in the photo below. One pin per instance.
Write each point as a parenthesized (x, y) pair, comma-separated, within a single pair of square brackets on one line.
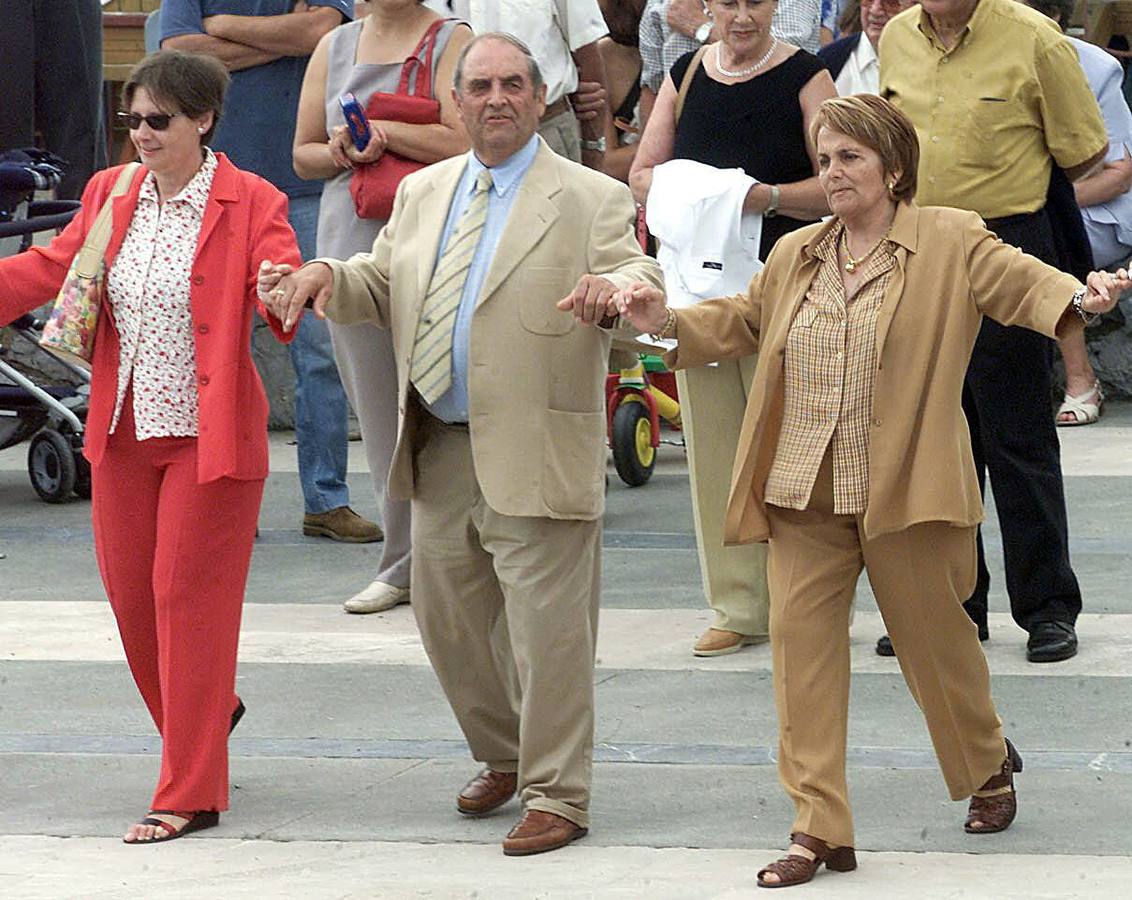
[(489, 271)]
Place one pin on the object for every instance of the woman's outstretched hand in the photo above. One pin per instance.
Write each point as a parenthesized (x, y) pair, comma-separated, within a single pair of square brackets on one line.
[(1103, 289), (643, 307)]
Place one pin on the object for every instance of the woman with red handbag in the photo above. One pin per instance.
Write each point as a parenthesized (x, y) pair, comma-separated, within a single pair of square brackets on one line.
[(176, 432), (398, 62)]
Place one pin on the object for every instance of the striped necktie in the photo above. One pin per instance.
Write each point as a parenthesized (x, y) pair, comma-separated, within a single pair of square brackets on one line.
[(431, 369)]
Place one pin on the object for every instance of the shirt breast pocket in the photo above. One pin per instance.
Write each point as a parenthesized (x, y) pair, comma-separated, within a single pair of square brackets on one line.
[(540, 289), (990, 117), (806, 316)]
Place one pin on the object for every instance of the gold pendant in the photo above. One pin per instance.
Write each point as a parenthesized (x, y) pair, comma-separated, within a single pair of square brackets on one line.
[(851, 267)]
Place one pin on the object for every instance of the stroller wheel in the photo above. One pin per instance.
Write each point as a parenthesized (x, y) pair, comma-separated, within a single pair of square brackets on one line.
[(51, 465)]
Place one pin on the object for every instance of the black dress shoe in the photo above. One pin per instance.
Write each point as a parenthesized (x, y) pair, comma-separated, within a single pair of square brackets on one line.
[(884, 642), (1051, 642)]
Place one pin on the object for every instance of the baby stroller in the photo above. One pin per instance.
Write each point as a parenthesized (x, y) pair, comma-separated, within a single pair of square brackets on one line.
[(42, 397)]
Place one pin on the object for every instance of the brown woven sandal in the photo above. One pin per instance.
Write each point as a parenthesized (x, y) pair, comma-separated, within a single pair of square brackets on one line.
[(995, 804), (797, 869)]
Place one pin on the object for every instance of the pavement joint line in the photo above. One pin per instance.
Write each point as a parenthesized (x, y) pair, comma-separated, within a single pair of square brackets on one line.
[(612, 540), (1115, 762)]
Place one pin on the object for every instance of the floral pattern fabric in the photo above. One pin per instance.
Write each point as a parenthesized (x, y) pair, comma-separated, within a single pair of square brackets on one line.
[(148, 288)]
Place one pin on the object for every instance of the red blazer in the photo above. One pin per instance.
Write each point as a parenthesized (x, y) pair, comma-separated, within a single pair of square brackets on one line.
[(245, 222)]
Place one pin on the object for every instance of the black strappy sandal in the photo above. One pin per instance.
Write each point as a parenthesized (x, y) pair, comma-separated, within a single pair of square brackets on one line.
[(197, 821)]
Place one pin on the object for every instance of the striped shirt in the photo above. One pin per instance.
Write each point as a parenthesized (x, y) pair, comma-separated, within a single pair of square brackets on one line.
[(830, 371)]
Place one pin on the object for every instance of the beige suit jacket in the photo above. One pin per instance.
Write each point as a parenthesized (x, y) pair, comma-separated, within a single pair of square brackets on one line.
[(950, 272), (536, 403)]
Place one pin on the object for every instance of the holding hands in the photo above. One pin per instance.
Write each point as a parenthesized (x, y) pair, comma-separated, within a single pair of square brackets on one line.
[(597, 301), (285, 292), (1103, 289)]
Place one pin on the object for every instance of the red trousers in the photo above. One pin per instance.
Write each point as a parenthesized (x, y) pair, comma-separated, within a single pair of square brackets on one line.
[(174, 558)]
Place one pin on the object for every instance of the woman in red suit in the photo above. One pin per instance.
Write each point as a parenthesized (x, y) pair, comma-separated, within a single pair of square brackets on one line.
[(176, 427)]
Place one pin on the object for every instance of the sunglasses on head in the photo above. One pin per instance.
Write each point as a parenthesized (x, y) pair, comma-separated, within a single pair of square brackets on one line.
[(156, 121)]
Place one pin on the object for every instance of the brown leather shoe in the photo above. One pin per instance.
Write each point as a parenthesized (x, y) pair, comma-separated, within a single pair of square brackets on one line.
[(341, 524), (487, 791), (538, 832)]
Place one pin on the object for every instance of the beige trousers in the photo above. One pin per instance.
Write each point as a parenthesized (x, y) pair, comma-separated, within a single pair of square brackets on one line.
[(920, 577), (507, 609), (712, 402)]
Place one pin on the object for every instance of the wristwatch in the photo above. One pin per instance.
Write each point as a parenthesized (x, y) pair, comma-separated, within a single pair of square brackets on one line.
[(598, 145), (704, 32), (1077, 302), (772, 208)]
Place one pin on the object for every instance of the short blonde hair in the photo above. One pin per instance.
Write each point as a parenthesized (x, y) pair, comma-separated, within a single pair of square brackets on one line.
[(880, 126)]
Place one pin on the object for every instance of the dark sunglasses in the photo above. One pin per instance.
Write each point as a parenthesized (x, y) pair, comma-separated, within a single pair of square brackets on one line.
[(157, 121)]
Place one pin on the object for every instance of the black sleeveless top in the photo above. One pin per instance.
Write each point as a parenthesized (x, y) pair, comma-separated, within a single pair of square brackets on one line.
[(755, 126)]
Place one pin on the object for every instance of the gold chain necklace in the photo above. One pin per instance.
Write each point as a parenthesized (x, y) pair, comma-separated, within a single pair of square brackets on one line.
[(853, 263)]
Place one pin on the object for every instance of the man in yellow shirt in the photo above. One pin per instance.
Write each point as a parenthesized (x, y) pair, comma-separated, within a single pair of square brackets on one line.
[(998, 98)]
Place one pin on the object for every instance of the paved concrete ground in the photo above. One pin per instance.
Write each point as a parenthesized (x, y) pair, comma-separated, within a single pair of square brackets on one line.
[(345, 768)]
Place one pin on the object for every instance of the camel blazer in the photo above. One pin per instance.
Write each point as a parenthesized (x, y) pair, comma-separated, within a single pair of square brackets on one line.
[(950, 272), (536, 402), (245, 221)]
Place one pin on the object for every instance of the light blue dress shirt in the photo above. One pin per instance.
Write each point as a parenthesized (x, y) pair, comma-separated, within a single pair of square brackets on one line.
[(452, 405), (1109, 225)]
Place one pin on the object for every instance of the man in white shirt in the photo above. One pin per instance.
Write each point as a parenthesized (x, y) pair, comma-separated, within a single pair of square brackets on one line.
[(852, 61), (562, 35)]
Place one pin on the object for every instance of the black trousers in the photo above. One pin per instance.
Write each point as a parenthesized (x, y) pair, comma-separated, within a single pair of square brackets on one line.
[(1006, 398), (51, 81)]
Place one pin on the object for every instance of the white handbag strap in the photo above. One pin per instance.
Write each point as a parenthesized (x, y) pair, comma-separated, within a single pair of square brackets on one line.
[(89, 258)]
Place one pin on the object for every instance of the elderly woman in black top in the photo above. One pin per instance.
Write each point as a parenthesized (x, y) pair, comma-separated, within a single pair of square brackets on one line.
[(748, 105)]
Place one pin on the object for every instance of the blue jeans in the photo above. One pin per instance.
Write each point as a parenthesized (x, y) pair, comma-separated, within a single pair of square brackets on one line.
[(321, 409)]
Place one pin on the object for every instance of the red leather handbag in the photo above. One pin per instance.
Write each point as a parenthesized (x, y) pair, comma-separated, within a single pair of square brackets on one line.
[(373, 186)]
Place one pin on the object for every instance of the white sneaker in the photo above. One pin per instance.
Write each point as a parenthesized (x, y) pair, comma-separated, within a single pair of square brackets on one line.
[(378, 597)]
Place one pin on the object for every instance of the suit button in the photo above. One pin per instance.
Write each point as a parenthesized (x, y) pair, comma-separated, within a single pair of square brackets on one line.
[(203, 380), (876, 422), (198, 279), (203, 329)]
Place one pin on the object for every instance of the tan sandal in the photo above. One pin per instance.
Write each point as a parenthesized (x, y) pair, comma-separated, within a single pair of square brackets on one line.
[(995, 804), (1085, 408), (796, 869)]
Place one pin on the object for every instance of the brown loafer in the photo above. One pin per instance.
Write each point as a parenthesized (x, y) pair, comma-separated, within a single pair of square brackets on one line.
[(487, 791), (538, 832), (719, 642), (797, 869), (995, 804)]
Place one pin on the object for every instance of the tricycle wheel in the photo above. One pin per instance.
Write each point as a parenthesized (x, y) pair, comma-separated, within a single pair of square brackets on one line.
[(633, 453), (51, 466)]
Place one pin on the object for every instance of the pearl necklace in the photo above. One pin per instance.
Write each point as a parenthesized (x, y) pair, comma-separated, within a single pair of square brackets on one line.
[(742, 73), (853, 263)]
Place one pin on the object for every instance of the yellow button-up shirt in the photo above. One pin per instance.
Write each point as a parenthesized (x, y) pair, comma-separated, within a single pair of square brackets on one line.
[(991, 111)]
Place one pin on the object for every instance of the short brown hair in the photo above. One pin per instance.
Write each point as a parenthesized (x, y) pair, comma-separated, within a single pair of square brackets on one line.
[(879, 125), (188, 83)]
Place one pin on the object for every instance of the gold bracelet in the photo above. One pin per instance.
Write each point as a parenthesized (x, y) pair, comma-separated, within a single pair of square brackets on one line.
[(669, 329)]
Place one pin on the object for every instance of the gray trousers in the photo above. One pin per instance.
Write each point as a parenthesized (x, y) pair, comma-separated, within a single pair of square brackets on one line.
[(368, 370), (52, 57)]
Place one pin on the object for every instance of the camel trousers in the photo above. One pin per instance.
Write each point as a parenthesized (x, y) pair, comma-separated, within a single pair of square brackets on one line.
[(507, 608), (920, 576), (174, 558), (368, 368), (713, 400)]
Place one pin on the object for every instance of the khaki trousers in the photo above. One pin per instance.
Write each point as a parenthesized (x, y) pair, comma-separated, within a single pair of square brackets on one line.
[(713, 400), (920, 577), (507, 608), (562, 135)]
